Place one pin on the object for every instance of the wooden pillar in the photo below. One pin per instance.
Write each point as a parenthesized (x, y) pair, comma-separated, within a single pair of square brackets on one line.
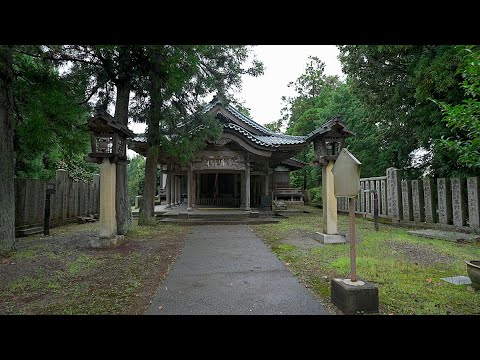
[(247, 186), (242, 190), (167, 190), (189, 189), (198, 188)]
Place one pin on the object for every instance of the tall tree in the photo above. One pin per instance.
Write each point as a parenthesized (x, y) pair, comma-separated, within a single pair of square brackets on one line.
[(464, 118), (395, 82), (181, 75), (7, 200)]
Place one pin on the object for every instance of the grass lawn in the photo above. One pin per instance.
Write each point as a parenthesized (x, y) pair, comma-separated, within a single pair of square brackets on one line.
[(60, 274), (406, 268)]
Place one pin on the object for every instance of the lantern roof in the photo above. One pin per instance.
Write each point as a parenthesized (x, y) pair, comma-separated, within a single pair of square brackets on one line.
[(333, 125), (103, 122)]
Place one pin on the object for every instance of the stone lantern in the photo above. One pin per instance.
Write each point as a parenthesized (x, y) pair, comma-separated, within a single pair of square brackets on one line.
[(328, 141), (109, 147)]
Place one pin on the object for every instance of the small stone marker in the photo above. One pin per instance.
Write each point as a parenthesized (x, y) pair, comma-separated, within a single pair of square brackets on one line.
[(458, 280)]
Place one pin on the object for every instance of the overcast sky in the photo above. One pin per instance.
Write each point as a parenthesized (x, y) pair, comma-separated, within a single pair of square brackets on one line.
[(282, 63)]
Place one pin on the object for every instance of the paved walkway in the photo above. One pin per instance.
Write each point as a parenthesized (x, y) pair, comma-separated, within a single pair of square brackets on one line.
[(229, 270)]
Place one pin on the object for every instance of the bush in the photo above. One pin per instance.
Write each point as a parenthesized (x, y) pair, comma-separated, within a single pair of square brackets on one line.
[(316, 195)]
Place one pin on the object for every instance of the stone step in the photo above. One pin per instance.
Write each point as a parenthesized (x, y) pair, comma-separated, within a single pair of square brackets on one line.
[(199, 221), (29, 231)]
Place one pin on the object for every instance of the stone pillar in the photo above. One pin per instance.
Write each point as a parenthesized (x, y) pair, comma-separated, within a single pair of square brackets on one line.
[(379, 196), (180, 189), (383, 187), (417, 200), (242, 190), (407, 200), (189, 189), (362, 196), (367, 197), (394, 194), (329, 200), (459, 201), (167, 191), (160, 186), (108, 182), (247, 186), (473, 186), (372, 196), (444, 201), (430, 197)]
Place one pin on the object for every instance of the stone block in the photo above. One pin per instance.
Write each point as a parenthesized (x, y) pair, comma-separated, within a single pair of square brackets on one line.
[(430, 200), (473, 190), (407, 203), (254, 214), (418, 201), (352, 299), (444, 201), (459, 201), (114, 241), (329, 238)]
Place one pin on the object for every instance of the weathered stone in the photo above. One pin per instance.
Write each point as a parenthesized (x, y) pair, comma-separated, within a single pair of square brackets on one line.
[(445, 235), (367, 197), (108, 222), (329, 238), (459, 201), (383, 187), (354, 299), (458, 280), (379, 195), (362, 196), (394, 195), (329, 200), (444, 201), (418, 201), (430, 200), (473, 189), (407, 200), (107, 242), (138, 201), (372, 196), (254, 214)]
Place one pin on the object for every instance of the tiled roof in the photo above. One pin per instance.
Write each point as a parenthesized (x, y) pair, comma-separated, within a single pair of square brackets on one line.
[(326, 127), (269, 139)]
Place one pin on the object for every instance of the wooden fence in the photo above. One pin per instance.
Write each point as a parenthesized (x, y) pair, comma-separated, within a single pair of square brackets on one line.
[(71, 199), (448, 202)]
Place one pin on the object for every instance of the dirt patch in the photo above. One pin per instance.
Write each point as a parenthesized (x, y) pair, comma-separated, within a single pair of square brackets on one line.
[(302, 239), (61, 274), (420, 254)]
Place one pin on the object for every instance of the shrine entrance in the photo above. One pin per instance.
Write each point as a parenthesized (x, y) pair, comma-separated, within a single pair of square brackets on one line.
[(219, 189)]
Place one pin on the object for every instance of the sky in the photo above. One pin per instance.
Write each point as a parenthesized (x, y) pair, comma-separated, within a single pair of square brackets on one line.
[(282, 64)]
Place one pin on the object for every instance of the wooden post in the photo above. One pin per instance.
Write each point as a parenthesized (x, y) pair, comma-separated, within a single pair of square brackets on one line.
[(353, 263)]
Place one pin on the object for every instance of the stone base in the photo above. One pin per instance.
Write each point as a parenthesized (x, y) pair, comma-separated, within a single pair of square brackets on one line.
[(254, 214), (189, 209), (329, 238), (183, 215), (107, 242), (354, 299)]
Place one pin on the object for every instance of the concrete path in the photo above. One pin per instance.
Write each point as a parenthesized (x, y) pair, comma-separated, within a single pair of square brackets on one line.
[(229, 270)]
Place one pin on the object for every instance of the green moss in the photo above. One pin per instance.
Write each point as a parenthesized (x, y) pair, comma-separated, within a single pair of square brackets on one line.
[(405, 286)]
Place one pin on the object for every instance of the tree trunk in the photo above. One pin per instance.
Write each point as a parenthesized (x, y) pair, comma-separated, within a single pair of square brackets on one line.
[(147, 209), (122, 203), (7, 159)]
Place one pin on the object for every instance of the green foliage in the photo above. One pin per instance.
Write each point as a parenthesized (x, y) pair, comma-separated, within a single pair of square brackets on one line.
[(316, 195), (319, 98), (49, 120), (394, 84), (464, 118), (136, 177)]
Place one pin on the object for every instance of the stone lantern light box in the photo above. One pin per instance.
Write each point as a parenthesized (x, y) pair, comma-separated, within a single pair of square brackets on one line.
[(109, 139)]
